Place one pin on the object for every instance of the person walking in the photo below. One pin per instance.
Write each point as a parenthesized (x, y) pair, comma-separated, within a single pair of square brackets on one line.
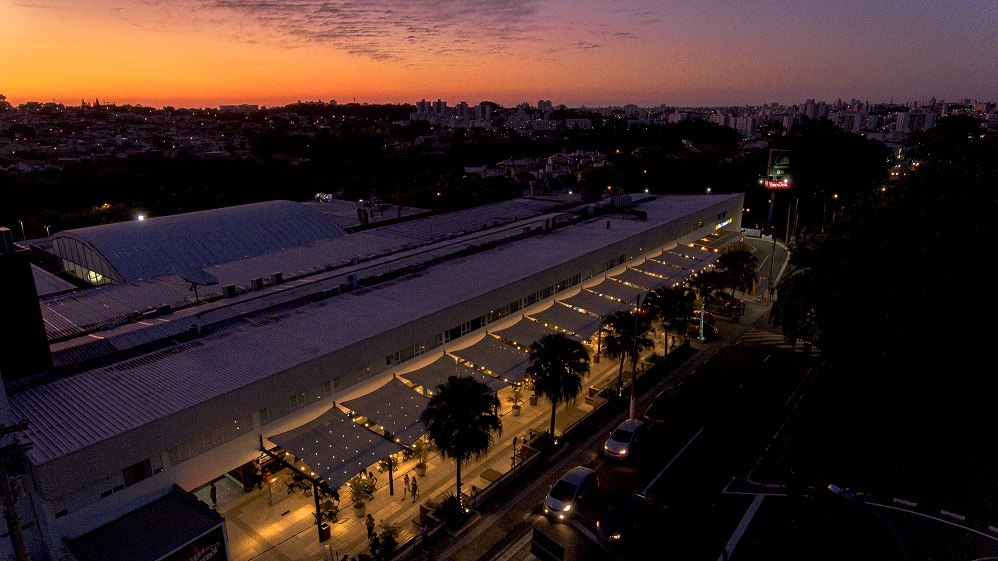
[(424, 537), (415, 489), (370, 526), (405, 488), (213, 493)]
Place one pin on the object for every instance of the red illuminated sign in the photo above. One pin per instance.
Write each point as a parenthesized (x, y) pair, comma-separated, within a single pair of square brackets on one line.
[(777, 184)]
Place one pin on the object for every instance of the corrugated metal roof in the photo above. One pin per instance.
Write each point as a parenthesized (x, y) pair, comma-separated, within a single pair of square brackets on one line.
[(142, 249), (46, 283)]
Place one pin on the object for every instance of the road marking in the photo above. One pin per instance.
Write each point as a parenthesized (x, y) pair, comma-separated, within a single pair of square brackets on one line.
[(661, 473), (593, 537), (936, 518), (742, 526)]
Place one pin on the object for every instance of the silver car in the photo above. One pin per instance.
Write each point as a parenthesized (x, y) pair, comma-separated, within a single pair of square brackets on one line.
[(624, 438), (573, 488)]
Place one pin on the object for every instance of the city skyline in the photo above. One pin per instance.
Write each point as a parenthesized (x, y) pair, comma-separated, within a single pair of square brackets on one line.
[(206, 54)]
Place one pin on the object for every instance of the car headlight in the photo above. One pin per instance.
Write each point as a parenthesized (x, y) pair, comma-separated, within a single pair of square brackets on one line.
[(567, 508), (614, 537), (623, 452)]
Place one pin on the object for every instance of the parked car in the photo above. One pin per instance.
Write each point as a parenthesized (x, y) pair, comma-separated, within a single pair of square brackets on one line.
[(693, 327), (635, 516), (659, 410), (724, 304), (573, 489), (707, 318), (624, 439)]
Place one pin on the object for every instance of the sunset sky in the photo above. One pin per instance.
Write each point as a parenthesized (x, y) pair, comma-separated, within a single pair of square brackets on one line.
[(202, 53)]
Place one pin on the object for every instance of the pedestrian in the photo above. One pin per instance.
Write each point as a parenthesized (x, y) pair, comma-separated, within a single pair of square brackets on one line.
[(258, 474), (415, 489), (375, 544), (370, 526), (474, 497), (424, 536), (213, 493), (672, 342), (374, 480), (335, 495), (406, 486), (607, 224)]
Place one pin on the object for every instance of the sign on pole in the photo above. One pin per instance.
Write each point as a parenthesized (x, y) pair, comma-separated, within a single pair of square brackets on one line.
[(545, 548)]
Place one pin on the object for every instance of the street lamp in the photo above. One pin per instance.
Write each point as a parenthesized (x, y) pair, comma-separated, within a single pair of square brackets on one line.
[(23, 237)]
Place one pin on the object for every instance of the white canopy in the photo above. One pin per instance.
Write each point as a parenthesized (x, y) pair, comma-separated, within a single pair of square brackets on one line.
[(437, 372), (595, 304), (497, 357), (640, 279), (559, 315), (619, 290), (527, 331), (677, 260), (396, 408), (335, 446)]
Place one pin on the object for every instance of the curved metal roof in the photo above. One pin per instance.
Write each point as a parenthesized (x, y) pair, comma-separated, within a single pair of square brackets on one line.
[(142, 249)]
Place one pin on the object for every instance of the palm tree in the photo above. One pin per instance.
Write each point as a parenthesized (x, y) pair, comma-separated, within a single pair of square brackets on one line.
[(462, 420), (627, 339), (668, 303), (742, 268), (557, 365)]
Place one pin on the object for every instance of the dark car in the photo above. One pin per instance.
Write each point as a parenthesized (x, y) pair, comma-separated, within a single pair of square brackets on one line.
[(635, 516), (693, 329), (726, 305), (660, 409)]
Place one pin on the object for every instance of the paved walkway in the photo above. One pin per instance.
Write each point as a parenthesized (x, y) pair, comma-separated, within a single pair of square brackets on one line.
[(286, 530)]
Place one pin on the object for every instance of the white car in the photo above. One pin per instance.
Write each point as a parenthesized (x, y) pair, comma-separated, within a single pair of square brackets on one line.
[(624, 438)]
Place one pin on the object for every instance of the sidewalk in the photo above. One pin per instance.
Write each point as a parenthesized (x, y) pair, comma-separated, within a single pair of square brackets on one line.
[(286, 531)]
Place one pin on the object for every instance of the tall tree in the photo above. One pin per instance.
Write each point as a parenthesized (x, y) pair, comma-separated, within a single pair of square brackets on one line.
[(462, 420), (628, 338), (668, 303), (558, 365), (742, 268)]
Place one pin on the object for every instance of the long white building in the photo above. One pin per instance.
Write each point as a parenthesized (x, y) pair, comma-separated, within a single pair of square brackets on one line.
[(210, 332)]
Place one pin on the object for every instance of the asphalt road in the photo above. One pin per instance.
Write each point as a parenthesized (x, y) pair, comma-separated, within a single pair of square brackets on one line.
[(725, 416)]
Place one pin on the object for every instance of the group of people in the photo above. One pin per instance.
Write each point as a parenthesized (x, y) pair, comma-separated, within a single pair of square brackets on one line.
[(410, 488)]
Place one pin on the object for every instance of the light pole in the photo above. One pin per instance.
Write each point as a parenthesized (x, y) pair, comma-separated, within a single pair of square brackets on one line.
[(23, 237)]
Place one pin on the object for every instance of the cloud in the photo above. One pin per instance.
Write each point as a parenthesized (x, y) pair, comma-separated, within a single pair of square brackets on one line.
[(381, 29)]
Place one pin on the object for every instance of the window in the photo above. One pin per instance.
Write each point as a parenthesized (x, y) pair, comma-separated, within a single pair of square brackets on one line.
[(136, 472), (296, 401), (174, 454)]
